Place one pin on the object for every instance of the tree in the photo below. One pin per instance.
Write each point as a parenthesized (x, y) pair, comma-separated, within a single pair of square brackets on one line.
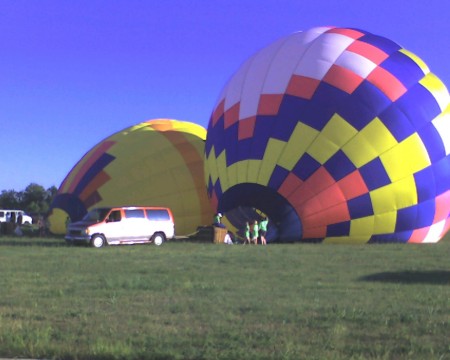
[(34, 199), (10, 199), (51, 193)]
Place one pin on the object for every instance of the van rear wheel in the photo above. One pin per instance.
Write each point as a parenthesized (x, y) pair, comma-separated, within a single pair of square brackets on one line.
[(98, 241), (158, 239)]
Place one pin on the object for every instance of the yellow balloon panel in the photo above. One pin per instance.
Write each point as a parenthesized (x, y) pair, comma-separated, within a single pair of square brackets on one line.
[(271, 155), (362, 226), (437, 88), (335, 134), (221, 163), (394, 196), (302, 137), (369, 143), (399, 164)]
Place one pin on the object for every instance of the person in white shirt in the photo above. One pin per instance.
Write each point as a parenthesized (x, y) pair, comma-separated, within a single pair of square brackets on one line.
[(228, 239)]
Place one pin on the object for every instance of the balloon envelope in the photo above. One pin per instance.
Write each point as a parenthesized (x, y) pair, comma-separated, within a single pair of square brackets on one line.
[(155, 163), (338, 135)]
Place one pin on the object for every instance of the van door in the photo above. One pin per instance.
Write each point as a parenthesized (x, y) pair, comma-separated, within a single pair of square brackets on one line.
[(113, 228), (161, 221), (137, 225)]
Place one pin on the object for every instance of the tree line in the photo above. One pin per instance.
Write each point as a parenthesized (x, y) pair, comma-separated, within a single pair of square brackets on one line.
[(35, 199)]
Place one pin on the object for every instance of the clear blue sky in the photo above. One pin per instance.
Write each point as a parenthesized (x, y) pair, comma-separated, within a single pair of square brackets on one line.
[(74, 72)]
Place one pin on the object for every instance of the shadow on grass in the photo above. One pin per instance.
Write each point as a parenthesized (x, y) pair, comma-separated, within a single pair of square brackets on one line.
[(25, 242), (438, 277)]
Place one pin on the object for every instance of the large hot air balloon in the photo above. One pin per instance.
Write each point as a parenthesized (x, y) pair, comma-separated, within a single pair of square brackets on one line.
[(338, 135), (155, 163)]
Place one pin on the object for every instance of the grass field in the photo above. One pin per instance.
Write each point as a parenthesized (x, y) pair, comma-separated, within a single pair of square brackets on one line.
[(204, 301)]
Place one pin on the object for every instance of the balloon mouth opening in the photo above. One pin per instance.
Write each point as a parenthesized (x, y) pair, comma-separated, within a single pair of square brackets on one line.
[(247, 202)]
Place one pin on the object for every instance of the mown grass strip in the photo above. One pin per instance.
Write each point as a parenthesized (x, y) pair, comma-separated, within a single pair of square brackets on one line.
[(205, 301)]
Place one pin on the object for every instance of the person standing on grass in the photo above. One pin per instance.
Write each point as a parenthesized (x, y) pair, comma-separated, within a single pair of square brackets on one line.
[(247, 233), (263, 230), (255, 232), (41, 226), (19, 219), (12, 223)]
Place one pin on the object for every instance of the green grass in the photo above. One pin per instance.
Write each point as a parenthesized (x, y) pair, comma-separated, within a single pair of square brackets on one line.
[(206, 301)]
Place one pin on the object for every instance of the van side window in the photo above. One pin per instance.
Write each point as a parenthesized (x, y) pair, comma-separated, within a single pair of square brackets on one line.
[(114, 216), (157, 215), (134, 213)]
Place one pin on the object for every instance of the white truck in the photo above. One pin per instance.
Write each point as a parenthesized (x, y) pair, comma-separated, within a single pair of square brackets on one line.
[(6, 215)]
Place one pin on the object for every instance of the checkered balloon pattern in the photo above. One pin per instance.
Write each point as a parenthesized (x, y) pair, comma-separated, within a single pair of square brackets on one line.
[(338, 135)]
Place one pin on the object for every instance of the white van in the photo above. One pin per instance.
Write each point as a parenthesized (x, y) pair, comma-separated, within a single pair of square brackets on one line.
[(6, 215), (123, 225)]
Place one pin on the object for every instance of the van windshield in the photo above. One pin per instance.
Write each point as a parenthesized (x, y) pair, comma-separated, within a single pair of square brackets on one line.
[(96, 215)]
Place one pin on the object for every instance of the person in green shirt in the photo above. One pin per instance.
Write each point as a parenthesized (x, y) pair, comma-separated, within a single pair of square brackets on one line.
[(247, 233), (263, 230), (255, 233), (218, 220)]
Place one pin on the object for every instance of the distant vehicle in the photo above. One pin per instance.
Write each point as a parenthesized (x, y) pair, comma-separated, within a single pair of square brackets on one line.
[(5, 216), (123, 225)]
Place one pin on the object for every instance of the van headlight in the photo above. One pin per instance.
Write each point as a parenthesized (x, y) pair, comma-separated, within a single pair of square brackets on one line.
[(87, 231)]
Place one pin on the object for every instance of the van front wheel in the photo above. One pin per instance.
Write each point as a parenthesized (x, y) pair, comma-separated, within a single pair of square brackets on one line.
[(98, 241), (158, 239)]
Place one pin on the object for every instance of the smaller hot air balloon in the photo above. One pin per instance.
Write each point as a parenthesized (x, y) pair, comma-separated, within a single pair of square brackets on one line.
[(155, 163)]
